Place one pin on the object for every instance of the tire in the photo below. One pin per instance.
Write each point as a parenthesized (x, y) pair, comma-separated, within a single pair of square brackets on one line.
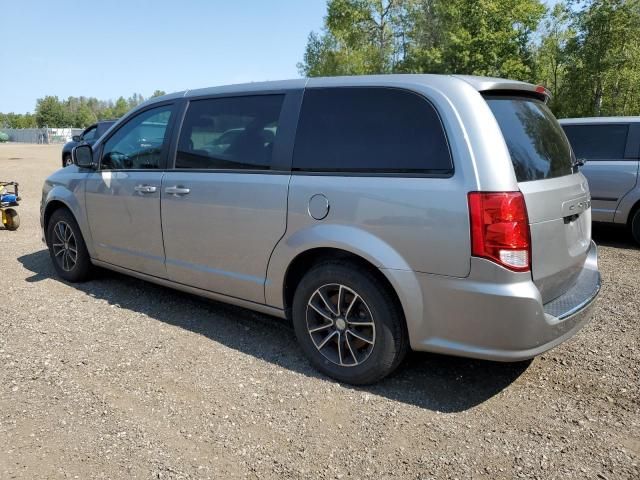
[(10, 219), (635, 226), (63, 237), (66, 161), (368, 337)]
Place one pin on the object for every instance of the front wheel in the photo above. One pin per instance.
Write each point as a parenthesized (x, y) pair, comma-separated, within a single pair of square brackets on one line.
[(67, 248), (348, 324), (635, 226)]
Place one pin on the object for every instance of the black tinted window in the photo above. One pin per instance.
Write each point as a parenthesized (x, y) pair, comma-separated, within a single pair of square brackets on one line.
[(538, 147), (89, 134), (598, 141), (103, 127), (370, 130), (230, 133), (138, 143)]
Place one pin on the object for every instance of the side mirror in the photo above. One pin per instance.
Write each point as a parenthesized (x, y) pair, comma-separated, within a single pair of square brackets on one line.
[(76, 138), (82, 156), (577, 163)]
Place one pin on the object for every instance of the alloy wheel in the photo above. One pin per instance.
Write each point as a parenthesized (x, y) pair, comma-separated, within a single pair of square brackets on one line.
[(341, 325), (65, 247)]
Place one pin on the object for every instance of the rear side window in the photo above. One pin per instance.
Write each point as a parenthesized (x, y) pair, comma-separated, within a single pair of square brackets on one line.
[(369, 130), (230, 133), (89, 134), (103, 127), (603, 142), (538, 147)]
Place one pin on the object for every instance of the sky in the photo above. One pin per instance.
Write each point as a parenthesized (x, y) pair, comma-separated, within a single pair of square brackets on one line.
[(110, 48)]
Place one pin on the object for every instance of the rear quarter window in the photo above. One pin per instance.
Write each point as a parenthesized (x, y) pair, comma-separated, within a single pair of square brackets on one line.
[(103, 127), (370, 130), (538, 147), (598, 142)]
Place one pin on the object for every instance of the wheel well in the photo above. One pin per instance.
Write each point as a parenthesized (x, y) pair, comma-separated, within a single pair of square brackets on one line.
[(633, 211), (49, 209), (306, 260)]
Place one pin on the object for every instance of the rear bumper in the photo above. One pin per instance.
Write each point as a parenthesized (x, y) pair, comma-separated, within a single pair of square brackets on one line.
[(498, 315)]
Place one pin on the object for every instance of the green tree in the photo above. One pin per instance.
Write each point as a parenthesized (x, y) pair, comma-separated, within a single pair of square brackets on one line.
[(604, 67), (158, 93), (479, 37), (552, 59), (135, 100), (120, 108), (74, 111), (50, 112), (84, 116), (359, 37), (483, 37)]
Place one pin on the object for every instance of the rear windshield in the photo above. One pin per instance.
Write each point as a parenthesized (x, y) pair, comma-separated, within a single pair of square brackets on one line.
[(539, 148)]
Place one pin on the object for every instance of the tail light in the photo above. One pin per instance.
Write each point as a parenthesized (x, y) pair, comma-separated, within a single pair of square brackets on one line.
[(500, 229)]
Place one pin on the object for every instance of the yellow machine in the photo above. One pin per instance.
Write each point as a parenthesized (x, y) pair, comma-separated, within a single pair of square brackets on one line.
[(9, 198)]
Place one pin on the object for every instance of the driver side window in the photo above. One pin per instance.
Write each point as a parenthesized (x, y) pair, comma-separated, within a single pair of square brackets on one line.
[(138, 144)]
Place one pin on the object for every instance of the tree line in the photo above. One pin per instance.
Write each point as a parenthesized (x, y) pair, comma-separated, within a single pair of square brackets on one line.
[(586, 52), (73, 112)]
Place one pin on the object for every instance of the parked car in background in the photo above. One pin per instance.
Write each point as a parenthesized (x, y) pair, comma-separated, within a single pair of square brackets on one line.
[(88, 136), (380, 213), (610, 148)]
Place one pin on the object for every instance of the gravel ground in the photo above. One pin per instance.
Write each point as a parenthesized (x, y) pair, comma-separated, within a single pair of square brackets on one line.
[(118, 378)]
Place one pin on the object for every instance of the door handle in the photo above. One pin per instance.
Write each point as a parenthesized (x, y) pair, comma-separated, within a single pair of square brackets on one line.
[(145, 188), (177, 190)]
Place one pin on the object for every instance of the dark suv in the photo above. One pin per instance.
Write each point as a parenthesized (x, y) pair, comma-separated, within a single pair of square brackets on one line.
[(89, 136)]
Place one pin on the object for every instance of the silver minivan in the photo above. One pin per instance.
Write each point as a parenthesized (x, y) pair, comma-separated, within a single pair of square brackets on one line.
[(379, 213), (610, 149)]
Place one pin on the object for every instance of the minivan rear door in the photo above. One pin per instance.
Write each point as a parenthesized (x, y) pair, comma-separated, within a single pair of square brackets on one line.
[(224, 205), (611, 153), (556, 194)]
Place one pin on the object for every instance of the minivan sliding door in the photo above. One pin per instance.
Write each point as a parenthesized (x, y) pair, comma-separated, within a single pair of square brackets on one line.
[(224, 204)]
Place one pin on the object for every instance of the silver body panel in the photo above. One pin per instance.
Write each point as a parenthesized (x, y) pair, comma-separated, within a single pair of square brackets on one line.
[(125, 224), (558, 248), (219, 237), (610, 181), (613, 182), (233, 236)]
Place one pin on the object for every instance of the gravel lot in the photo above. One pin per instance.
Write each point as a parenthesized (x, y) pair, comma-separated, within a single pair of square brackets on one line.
[(118, 378)]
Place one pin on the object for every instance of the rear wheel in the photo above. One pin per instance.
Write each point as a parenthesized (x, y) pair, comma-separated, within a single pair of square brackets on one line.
[(635, 226), (10, 219), (67, 248), (348, 325)]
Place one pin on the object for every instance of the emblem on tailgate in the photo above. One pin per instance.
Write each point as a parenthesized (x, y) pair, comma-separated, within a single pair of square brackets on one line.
[(576, 207)]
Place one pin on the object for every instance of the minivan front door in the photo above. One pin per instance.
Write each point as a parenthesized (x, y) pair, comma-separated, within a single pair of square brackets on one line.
[(224, 205), (123, 197)]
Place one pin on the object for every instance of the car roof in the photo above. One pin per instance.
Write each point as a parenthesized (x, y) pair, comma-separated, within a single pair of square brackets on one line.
[(598, 120), (481, 84)]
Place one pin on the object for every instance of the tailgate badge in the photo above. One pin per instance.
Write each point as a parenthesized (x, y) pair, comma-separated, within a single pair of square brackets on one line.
[(576, 207)]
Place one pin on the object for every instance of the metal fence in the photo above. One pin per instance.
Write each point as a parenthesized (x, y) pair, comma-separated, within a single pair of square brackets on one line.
[(41, 135)]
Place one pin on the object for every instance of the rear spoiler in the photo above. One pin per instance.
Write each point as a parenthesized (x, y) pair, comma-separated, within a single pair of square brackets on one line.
[(501, 86)]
